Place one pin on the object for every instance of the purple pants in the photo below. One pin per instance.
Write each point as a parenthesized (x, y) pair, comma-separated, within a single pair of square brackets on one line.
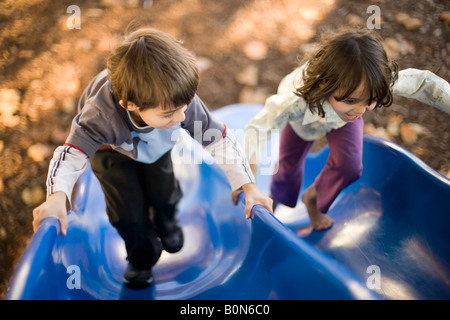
[(344, 165)]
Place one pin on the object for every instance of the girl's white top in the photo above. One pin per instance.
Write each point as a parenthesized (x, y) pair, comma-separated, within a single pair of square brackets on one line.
[(286, 107)]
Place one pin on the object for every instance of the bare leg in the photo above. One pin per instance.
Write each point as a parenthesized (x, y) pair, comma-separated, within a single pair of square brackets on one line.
[(319, 221)]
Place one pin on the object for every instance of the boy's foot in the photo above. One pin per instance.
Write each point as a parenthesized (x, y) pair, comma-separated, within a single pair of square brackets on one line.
[(136, 278), (171, 234), (319, 221)]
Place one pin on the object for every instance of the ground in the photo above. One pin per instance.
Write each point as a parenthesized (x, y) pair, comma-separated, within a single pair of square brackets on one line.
[(243, 49)]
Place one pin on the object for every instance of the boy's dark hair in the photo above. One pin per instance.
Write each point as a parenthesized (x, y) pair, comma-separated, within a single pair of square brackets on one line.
[(344, 60), (151, 69)]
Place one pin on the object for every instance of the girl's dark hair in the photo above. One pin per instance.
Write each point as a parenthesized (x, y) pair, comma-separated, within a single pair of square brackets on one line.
[(151, 69), (344, 60)]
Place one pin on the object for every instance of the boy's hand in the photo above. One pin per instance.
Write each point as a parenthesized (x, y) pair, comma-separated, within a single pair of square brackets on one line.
[(253, 197), (55, 206)]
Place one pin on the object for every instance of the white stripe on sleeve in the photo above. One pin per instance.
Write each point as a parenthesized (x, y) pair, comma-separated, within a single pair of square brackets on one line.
[(66, 166)]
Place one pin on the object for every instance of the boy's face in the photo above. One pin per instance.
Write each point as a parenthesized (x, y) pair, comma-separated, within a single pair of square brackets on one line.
[(352, 107), (156, 117)]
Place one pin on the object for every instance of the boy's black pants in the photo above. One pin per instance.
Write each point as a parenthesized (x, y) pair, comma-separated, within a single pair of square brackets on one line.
[(131, 188)]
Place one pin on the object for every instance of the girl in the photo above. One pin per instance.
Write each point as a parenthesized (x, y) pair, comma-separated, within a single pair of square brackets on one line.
[(349, 75)]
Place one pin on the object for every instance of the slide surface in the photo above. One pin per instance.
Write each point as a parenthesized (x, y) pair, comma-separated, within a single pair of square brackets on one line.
[(390, 239)]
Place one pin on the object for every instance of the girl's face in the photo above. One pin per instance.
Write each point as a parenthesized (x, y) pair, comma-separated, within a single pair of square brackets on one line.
[(352, 107), (156, 117)]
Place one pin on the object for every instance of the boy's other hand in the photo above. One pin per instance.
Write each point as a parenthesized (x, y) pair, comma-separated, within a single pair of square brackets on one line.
[(253, 197), (55, 206)]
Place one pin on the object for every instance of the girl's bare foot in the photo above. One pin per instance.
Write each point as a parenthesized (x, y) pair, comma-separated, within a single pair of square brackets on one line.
[(319, 221)]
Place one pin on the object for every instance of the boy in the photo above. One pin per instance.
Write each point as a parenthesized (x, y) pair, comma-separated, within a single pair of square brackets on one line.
[(130, 116)]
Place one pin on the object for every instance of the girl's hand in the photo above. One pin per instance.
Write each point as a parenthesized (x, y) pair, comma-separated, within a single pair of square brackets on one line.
[(55, 206)]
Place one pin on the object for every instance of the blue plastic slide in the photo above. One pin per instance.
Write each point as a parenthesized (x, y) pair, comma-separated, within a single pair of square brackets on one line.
[(390, 239)]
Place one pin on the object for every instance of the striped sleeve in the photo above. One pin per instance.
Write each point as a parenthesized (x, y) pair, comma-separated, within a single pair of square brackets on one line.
[(66, 166), (229, 156)]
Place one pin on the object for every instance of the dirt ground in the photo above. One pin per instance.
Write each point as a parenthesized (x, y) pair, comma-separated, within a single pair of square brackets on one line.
[(243, 47)]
